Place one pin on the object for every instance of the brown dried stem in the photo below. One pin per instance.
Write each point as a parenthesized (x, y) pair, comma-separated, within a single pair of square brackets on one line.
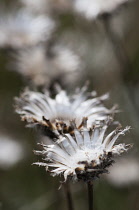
[(90, 195)]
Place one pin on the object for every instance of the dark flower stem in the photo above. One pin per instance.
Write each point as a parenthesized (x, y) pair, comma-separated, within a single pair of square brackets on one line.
[(68, 196), (90, 195)]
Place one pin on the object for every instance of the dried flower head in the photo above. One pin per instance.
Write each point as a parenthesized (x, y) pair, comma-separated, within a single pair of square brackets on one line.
[(43, 68), (55, 114), (24, 29), (84, 155), (91, 9)]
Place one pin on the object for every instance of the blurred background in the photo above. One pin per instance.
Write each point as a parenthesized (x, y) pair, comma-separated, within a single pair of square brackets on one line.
[(46, 42)]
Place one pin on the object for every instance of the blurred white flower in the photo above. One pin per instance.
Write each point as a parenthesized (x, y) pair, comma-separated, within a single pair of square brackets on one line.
[(124, 173), (47, 6), (43, 69), (84, 155), (31, 64), (40, 108), (22, 29), (65, 59), (11, 152), (92, 8)]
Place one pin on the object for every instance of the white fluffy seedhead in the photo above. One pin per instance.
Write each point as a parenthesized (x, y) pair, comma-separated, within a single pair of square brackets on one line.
[(56, 113), (22, 29), (92, 8), (84, 155)]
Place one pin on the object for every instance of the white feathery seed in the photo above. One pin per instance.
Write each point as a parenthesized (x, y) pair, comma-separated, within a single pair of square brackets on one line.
[(84, 155), (40, 108)]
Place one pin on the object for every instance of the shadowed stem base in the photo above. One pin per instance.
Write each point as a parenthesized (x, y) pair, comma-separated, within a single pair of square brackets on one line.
[(68, 196), (90, 195)]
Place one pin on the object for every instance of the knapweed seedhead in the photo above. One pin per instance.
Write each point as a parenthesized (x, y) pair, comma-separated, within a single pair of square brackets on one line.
[(56, 113), (91, 9), (84, 155), (24, 29)]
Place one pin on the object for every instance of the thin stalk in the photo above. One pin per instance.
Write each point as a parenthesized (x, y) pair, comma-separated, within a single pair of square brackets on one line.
[(90, 195), (119, 50), (68, 196), (116, 43)]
